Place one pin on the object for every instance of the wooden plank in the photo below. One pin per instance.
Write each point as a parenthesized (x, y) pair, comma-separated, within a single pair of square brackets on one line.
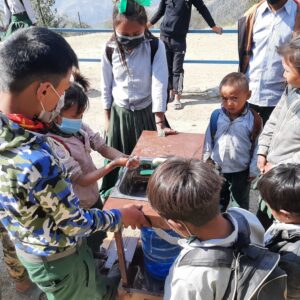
[(132, 294), (121, 257)]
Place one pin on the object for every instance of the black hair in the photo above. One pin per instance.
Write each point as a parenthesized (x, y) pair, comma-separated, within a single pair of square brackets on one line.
[(34, 54), (76, 93), (134, 13), (280, 188), (235, 78), (291, 52), (184, 189)]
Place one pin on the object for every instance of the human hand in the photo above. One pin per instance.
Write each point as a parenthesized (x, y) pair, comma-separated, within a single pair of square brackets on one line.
[(132, 215), (268, 167), (133, 162), (149, 25), (217, 29), (169, 131), (120, 161), (261, 163)]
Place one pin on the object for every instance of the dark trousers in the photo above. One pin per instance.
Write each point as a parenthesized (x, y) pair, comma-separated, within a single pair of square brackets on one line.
[(175, 51), (236, 189), (263, 111)]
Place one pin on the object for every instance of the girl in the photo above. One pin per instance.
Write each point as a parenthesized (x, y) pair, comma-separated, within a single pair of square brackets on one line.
[(18, 14), (280, 140), (134, 87), (79, 140)]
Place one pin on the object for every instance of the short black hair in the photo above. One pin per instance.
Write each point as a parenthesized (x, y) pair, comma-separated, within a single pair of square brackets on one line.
[(280, 188), (76, 93), (184, 189), (32, 54), (235, 78)]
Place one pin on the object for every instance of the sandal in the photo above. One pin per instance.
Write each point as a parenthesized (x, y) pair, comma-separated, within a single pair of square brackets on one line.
[(177, 104)]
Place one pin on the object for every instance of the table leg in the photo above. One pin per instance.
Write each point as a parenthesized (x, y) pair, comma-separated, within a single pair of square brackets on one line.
[(121, 257)]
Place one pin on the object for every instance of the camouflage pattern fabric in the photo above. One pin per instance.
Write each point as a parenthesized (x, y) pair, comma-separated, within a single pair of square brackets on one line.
[(37, 204), (15, 269)]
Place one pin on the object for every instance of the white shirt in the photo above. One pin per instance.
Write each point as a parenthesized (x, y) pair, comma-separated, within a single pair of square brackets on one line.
[(265, 72), (206, 283), (145, 84), (16, 7)]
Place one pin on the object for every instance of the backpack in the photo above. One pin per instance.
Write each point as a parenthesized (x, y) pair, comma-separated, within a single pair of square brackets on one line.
[(255, 274), (257, 125), (154, 43)]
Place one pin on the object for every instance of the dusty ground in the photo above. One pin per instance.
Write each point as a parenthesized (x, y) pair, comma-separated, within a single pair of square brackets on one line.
[(199, 99)]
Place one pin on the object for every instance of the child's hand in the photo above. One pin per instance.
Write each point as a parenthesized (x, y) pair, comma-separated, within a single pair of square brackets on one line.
[(133, 162), (120, 161), (166, 131), (261, 163), (268, 167), (217, 29), (132, 215)]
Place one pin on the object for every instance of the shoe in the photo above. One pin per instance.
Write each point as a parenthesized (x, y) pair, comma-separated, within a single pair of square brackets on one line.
[(177, 104)]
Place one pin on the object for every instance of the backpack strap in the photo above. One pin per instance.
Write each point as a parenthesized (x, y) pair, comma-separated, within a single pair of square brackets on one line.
[(213, 124), (154, 43), (109, 52), (296, 31), (257, 125)]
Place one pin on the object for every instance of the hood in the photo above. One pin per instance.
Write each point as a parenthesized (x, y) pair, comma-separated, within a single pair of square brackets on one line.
[(12, 135)]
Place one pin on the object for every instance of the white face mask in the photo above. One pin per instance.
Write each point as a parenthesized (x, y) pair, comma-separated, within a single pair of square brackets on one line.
[(49, 116)]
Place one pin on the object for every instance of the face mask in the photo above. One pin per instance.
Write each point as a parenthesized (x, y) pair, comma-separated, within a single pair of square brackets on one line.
[(49, 116), (70, 126), (130, 42), (272, 2)]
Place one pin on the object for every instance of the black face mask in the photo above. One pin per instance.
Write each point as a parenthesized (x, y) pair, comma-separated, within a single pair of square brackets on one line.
[(272, 2), (129, 42)]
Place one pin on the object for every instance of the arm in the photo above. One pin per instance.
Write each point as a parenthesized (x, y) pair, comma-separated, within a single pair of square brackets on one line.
[(160, 12), (7, 16), (106, 88), (208, 147), (55, 196), (29, 11), (203, 10), (266, 136)]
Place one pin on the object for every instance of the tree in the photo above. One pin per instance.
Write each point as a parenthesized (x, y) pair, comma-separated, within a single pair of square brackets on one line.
[(46, 13)]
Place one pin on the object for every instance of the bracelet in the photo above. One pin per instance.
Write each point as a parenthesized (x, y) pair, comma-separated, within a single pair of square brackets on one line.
[(160, 122)]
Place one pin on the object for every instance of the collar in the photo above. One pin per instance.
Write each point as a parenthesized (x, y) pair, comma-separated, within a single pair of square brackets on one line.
[(288, 7), (28, 124)]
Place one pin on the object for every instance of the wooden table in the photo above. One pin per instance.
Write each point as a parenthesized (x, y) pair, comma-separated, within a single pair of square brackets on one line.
[(150, 145)]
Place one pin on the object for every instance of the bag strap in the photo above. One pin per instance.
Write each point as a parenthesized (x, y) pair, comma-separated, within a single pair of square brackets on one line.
[(213, 124), (296, 31), (154, 43)]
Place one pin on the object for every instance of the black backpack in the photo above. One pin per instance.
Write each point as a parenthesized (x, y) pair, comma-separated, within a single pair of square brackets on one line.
[(255, 274)]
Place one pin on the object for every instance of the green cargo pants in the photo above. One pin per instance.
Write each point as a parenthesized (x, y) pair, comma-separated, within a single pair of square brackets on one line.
[(71, 278)]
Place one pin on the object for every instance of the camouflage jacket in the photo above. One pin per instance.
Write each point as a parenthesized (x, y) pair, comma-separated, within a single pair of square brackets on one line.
[(37, 203)]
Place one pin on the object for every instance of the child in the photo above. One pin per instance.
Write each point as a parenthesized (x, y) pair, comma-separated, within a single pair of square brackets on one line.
[(18, 14), (79, 141), (173, 30), (185, 192), (38, 207), (135, 80), (280, 188), (280, 139), (231, 140)]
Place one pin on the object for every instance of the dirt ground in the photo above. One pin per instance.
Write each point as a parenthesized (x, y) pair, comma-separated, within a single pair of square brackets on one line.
[(199, 99)]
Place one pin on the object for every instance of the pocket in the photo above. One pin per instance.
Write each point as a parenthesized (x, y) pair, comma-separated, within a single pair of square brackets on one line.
[(55, 285)]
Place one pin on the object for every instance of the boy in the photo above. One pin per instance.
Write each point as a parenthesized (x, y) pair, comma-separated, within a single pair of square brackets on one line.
[(185, 192), (173, 29), (280, 188), (231, 140), (37, 204)]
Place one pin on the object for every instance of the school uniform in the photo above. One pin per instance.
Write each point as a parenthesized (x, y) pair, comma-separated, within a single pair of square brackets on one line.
[(235, 154), (18, 14), (133, 93)]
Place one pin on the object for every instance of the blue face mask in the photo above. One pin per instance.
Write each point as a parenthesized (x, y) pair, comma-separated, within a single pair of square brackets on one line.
[(70, 126)]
